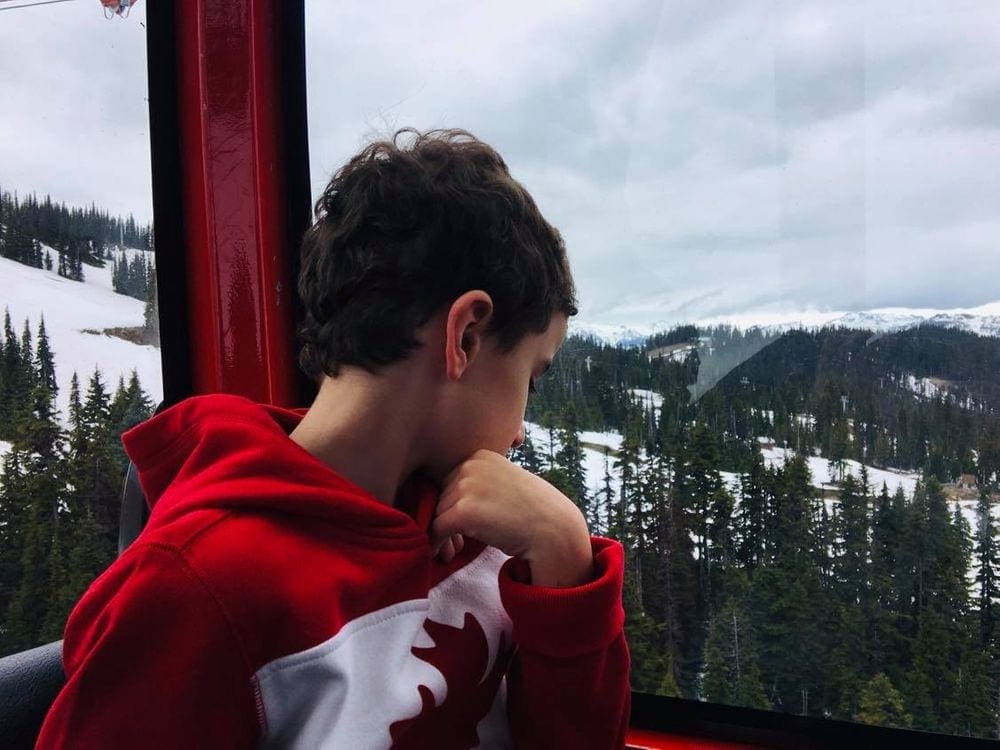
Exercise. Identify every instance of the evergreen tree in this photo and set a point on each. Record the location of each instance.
(649, 664)
(98, 466)
(13, 509)
(44, 361)
(732, 673)
(40, 441)
(752, 512)
(788, 596)
(526, 456)
(701, 484)
(603, 503)
(986, 576)
(851, 564)
(629, 488)
(968, 710)
(881, 704)
(889, 648)
(569, 458)
(151, 314)
(678, 571)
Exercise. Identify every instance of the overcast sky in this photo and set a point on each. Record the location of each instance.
(700, 159)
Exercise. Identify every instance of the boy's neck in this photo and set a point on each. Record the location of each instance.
(366, 428)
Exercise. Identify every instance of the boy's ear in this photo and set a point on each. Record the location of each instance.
(465, 327)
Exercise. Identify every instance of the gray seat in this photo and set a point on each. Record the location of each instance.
(29, 682)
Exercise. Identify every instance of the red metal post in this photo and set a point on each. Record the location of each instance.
(233, 181)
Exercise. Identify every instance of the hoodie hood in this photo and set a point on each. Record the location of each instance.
(226, 452)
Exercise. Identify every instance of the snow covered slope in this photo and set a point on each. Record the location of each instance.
(69, 307)
(819, 468)
(614, 335)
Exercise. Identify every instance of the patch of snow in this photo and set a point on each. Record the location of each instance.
(820, 469)
(647, 398)
(71, 306)
(922, 386)
(731, 481)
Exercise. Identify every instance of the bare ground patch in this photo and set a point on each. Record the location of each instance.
(136, 335)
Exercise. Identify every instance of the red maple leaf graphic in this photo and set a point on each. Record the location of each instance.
(462, 656)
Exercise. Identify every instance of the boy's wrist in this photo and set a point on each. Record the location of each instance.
(562, 556)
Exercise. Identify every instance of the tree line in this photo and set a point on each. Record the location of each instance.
(132, 276)
(60, 486)
(59, 226)
(79, 237)
(845, 394)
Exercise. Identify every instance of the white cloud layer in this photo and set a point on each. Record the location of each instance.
(701, 159)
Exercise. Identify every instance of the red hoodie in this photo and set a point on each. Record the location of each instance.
(271, 602)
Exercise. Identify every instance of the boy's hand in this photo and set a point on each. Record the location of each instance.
(488, 498)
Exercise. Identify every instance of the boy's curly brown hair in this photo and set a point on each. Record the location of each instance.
(406, 227)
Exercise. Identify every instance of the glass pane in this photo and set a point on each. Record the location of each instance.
(782, 387)
(80, 361)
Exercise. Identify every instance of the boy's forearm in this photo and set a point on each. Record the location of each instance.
(569, 685)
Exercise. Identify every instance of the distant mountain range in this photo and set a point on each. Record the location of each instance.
(983, 320)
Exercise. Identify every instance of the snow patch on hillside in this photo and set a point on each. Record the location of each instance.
(647, 398)
(593, 460)
(69, 307)
(823, 477)
(594, 463)
(922, 386)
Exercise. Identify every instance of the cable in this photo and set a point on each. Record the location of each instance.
(32, 5)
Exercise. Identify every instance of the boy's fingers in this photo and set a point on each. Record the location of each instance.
(450, 523)
(447, 551)
(446, 500)
(458, 541)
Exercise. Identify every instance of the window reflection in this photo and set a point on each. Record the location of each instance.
(782, 390)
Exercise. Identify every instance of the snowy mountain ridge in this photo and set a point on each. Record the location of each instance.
(983, 320)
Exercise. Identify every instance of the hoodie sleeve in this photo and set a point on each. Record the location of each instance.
(569, 683)
(151, 661)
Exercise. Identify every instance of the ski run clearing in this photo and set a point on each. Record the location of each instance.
(69, 308)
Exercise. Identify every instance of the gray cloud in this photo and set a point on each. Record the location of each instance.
(699, 158)
(75, 120)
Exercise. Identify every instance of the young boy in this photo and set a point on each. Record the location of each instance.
(373, 572)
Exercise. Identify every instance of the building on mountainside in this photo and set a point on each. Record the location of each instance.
(673, 352)
(966, 487)
(966, 482)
